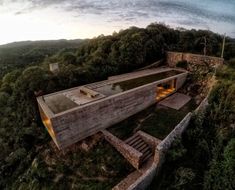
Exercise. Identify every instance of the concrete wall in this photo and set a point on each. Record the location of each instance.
(76, 124)
(173, 58)
(176, 132)
(180, 81)
(202, 107)
(145, 180)
(87, 120)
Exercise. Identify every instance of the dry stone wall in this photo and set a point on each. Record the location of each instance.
(132, 155)
(173, 58)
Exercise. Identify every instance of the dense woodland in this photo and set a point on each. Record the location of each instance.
(19, 55)
(205, 153)
(204, 157)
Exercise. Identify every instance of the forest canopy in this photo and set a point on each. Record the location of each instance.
(24, 72)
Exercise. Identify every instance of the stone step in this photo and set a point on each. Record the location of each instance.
(144, 149)
(140, 145)
(145, 158)
(129, 140)
(135, 142)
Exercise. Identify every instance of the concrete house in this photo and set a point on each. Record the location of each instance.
(74, 114)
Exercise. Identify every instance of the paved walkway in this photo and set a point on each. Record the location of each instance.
(175, 101)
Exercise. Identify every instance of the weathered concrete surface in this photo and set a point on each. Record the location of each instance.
(175, 133)
(85, 120)
(173, 58)
(73, 126)
(144, 180)
(139, 179)
(180, 81)
(137, 73)
(202, 107)
(153, 65)
(175, 101)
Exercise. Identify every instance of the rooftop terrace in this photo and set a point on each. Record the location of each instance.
(71, 98)
(118, 87)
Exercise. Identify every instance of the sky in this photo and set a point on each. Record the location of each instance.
(22, 20)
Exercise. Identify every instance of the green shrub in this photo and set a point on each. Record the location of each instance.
(176, 151)
(183, 64)
(183, 178)
(16, 156)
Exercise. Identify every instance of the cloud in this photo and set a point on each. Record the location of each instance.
(133, 8)
(187, 13)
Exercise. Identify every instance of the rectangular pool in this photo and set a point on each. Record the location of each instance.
(59, 103)
(118, 87)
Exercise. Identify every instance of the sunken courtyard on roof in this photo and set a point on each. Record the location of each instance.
(74, 114)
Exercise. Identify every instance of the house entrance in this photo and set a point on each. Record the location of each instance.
(165, 89)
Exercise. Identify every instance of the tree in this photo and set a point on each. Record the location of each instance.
(69, 58)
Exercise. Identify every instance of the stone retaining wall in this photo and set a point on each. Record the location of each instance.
(133, 156)
(173, 58)
(141, 178)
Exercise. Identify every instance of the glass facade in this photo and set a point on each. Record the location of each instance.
(47, 123)
(111, 89)
(165, 89)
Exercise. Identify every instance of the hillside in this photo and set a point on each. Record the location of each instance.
(204, 157)
(28, 159)
(22, 54)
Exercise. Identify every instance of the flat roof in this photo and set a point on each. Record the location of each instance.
(68, 99)
(118, 87)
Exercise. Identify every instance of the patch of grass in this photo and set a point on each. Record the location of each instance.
(126, 128)
(155, 120)
(163, 120)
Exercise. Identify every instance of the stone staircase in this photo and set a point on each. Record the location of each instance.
(140, 150)
(137, 142)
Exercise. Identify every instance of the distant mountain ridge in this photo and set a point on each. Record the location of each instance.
(41, 43)
(21, 54)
